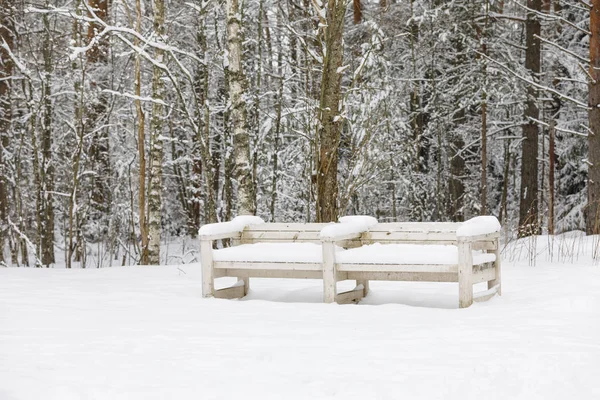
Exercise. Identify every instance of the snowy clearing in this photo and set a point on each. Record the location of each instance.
(146, 333)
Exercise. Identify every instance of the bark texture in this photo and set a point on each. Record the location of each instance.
(528, 207)
(239, 113)
(156, 143)
(329, 113)
(6, 67)
(97, 110)
(592, 224)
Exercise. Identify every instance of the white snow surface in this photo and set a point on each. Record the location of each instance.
(235, 225)
(348, 225)
(479, 226)
(271, 252)
(146, 333)
(378, 253)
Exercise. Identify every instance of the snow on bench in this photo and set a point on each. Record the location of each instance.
(358, 248)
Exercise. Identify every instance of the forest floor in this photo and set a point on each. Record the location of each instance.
(146, 333)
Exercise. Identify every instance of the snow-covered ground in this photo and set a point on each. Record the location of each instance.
(146, 333)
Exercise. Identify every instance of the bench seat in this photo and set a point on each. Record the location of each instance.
(408, 254)
(272, 252)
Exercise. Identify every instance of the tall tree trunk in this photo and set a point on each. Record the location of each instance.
(483, 40)
(239, 114)
(551, 156)
(46, 228)
(141, 137)
(96, 112)
(6, 70)
(528, 207)
(329, 113)
(357, 12)
(78, 69)
(592, 222)
(156, 143)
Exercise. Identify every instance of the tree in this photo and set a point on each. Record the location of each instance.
(528, 207)
(6, 71)
(156, 141)
(239, 114)
(593, 210)
(330, 117)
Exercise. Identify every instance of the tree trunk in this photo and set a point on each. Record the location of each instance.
(6, 70)
(141, 137)
(46, 228)
(329, 113)
(239, 114)
(156, 143)
(96, 112)
(357, 12)
(592, 224)
(551, 155)
(528, 207)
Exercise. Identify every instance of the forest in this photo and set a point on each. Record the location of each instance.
(126, 121)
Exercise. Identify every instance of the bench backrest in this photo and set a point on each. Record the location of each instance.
(282, 232)
(385, 233)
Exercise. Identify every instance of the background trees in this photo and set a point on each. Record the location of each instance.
(126, 122)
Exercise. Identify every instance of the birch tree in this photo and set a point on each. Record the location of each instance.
(239, 114)
(6, 71)
(156, 141)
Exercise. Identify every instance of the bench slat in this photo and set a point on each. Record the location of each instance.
(287, 227)
(271, 273)
(403, 276)
(267, 265)
(398, 268)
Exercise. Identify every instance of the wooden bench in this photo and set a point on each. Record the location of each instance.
(433, 252)
(260, 250)
(467, 253)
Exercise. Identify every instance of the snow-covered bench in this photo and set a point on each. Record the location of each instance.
(265, 250)
(358, 249)
(467, 253)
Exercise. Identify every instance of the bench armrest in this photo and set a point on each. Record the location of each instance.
(231, 229)
(351, 227)
(478, 228)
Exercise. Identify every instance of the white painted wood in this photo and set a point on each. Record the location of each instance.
(329, 275)
(206, 261)
(417, 226)
(484, 275)
(465, 272)
(477, 238)
(403, 276)
(398, 268)
(218, 236)
(293, 227)
(271, 273)
(486, 294)
(497, 281)
(234, 292)
(365, 284)
(268, 265)
(276, 236)
(412, 237)
(351, 296)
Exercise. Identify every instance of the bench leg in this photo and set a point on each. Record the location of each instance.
(329, 275)
(246, 284)
(365, 284)
(465, 274)
(206, 260)
(497, 268)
